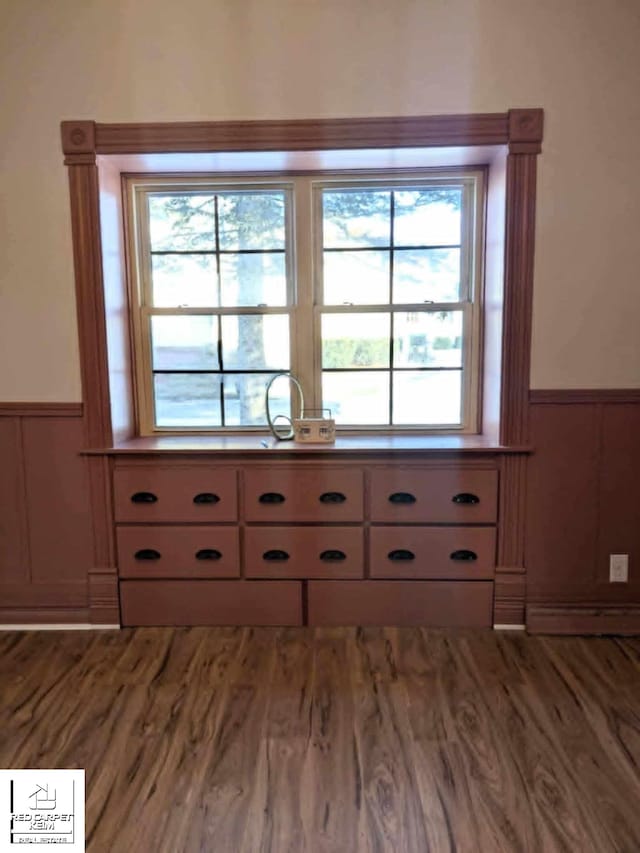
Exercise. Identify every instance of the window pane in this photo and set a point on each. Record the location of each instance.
(431, 397)
(355, 340)
(244, 403)
(357, 398)
(184, 343)
(427, 217)
(358, 277)
(187, 400)
(253, 280)
(188, 280)
(356, 217)
(251, 220)
(182, 222)
(429, 339)
(255, 342)
(426, 274)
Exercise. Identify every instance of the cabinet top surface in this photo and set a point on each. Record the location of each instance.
(346, 445)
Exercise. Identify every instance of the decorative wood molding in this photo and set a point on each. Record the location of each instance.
(87, 255)
(562, 396)
(78, 142)
(521, 129)
(510, 577)
(525, 131)
(104, 604)
(592, 618)
(41, 410)
(518, 297)
(509, 591)
(302, 135)
(516, 127)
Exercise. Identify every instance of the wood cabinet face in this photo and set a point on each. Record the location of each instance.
(434, 496)
(210, 602)
(202, 494)
(304, 552)
(202, 551)
(444, 553)
(303, 494)
(371, 543)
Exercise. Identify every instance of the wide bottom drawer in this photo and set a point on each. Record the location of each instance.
(444, 553)
(178, 552)
(441, 604)
(304, 552)
(210, 602)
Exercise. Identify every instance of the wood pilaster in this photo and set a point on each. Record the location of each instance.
(78, 139)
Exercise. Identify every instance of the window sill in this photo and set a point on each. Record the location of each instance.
(345, 445)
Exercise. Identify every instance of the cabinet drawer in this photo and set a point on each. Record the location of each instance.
(200, 494)
(304, 552)
(299, 494)
(443, 495)
(434, 604)
(448, 553)
(211, 602)
(178, 552)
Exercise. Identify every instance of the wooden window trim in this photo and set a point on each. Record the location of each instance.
(518, 129)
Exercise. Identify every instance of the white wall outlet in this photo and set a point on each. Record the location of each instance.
(618, 568)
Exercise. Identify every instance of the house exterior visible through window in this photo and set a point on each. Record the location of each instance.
(366, 286)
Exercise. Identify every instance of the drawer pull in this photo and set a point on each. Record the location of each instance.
(333, 556)
(463, 556)
(271, 498)
(147, 554)
(465, 498)
(208, 554)
(275, 556)
(332, 498)
(144, 498)
(206, 498)
(401, 555)
(402, 498)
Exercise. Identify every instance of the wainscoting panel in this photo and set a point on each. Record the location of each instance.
(14, 553)
(45, 520)
(56, 488)
(583, 505)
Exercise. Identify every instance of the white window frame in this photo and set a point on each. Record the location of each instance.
(303, 254)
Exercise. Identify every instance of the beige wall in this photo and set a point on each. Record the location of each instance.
(143, 60)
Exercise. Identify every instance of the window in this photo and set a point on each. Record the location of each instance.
(366, 287)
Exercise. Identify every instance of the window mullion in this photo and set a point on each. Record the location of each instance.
(303, 356)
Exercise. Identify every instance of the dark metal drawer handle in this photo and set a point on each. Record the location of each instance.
(465, 498)
(144, 498)
(332, 498)
(402, 498)
(401, 555)
(332, 556)
(147, 554)
(208, 554)
(275, 556)
(463, 556)
(206, 498)
(272, 498)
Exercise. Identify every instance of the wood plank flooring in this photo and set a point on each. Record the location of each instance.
(333, 740)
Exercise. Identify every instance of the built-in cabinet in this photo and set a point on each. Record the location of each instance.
(310, 541)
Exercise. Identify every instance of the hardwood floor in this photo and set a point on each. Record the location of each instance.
(334, 740)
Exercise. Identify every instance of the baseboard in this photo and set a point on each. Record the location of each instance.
(588, 618)
(61, 626)
(35, 618)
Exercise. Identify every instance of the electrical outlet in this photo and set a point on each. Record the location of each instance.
(618, 568)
